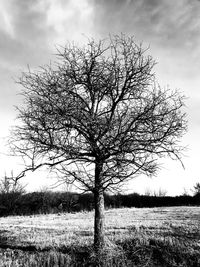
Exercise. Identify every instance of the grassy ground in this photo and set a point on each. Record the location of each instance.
(134, 237)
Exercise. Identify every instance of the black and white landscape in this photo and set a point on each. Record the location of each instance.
(100, 133)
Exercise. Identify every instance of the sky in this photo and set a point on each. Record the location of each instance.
(30, 31)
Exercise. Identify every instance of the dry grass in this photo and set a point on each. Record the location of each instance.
(135, 237)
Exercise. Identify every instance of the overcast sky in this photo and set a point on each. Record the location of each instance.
(31, 30)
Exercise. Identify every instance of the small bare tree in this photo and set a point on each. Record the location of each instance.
(99, 118)
(196, 189)
(9, 184)
(10, 192)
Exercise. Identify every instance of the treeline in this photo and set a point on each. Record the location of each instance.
(17, 203)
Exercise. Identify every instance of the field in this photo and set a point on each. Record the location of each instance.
(134, 237)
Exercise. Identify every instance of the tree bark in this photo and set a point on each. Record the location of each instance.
(99, 210)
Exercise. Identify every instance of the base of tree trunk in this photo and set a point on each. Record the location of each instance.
(99, 239)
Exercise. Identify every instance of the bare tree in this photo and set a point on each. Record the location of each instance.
(161, 193)
(196, 189)
(9, 185)
(11, 191)
(98, 118)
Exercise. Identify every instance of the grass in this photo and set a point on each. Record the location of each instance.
(134, 237)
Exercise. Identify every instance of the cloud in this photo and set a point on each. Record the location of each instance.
(26, 37)
(70, 19)
(23, 40)
(5, 20)
(167, 22)
(171, 28)
(29, 31)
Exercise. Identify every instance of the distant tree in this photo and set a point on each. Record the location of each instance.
(10, 192)
(185, 192)
(148, 192)
(9, 184)
(161, 193)
(98, 118)
(197, 189)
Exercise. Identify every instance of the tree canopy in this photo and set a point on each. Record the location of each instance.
(99, 103)
(98, 116)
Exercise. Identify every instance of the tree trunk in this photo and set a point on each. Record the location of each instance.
(99, 210)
